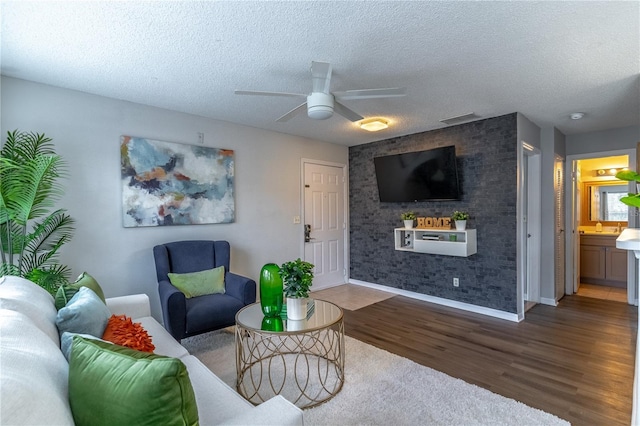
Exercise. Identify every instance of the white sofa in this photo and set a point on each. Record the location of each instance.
(34, 372)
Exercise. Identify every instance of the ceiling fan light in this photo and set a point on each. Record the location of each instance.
(319, 105)
(374, 124)
(319, 112)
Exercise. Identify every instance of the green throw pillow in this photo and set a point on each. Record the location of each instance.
(67, 291)
(195, 284)
(113, 385)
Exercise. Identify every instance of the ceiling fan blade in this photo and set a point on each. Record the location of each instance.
(348, 113)
(258, 93)
(297, 110)
(321, 76)
(392, 92)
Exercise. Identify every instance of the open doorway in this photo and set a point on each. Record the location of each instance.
(595, 267)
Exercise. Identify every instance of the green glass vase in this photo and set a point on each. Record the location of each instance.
(271, 290)
(272, 324)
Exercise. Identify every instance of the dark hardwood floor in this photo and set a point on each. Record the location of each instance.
(575, 360)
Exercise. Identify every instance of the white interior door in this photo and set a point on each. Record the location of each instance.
(325, 219)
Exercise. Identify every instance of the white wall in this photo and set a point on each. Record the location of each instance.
(86, 131)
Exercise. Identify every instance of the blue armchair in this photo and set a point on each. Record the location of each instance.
(187, 317)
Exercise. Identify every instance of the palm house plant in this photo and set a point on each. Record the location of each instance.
(30, 234)
(408, 218)
(297, 276)
(460, 218)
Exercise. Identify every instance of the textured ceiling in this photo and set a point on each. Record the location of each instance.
(544, 59)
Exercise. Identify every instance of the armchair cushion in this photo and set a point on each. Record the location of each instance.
(194, 284)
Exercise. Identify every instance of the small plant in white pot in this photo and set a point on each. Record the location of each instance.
(460, 218)
(408, 218)
(297, 276)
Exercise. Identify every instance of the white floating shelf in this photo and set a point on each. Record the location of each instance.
(437, 241)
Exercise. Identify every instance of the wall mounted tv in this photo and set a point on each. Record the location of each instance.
(430, 175)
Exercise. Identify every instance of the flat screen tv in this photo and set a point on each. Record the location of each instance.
(430, 175)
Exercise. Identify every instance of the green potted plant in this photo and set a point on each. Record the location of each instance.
(31, 235)
(408, 218)
(460, 218)
(632, 200)
(297, 276)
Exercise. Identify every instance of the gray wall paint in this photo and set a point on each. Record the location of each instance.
(528, 132)
(86, 130)
(487, 157)
(606, 140)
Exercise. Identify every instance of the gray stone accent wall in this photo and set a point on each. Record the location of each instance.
(487, 167)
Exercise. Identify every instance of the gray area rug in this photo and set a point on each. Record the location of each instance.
(385, 389)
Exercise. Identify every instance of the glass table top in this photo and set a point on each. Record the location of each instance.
(321, 314)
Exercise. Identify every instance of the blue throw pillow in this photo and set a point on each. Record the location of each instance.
(66, 342)
(85, 313)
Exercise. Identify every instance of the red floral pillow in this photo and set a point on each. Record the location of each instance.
(124, 332)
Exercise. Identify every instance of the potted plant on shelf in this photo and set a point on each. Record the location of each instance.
(298, 278)
(460, 218)
(408, 218)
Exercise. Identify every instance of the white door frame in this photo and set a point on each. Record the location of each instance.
(571, 224)
(529, 247)
(345, 174)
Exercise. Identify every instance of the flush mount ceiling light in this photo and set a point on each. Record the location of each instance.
(374, 124)
(576, 115)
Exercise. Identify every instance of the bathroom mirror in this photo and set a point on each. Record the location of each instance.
(601, 202)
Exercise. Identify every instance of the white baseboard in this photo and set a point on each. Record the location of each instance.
(441, 301)
(547, 301)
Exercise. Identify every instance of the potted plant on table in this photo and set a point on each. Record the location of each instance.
(298, 278)
(408, 218)
(460, 219)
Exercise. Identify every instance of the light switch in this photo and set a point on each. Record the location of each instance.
(296, 219)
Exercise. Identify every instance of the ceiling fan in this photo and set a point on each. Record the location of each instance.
(321, 103)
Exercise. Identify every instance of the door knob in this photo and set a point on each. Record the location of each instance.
(307, 233)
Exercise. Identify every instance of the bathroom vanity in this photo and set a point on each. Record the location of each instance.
(601, 262)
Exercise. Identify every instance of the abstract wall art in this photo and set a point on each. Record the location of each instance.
(165, 183)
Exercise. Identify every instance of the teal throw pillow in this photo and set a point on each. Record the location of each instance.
(85, 313)
(193, 284)
(67, 291)
(66, 342)
(113, 385)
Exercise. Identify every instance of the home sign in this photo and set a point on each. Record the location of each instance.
(434, 223)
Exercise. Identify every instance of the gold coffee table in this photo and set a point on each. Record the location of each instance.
(300, 360)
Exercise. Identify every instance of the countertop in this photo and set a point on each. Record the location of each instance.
(629, 239)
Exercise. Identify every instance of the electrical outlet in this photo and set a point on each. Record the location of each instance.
(456, 282)
(296, 219)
